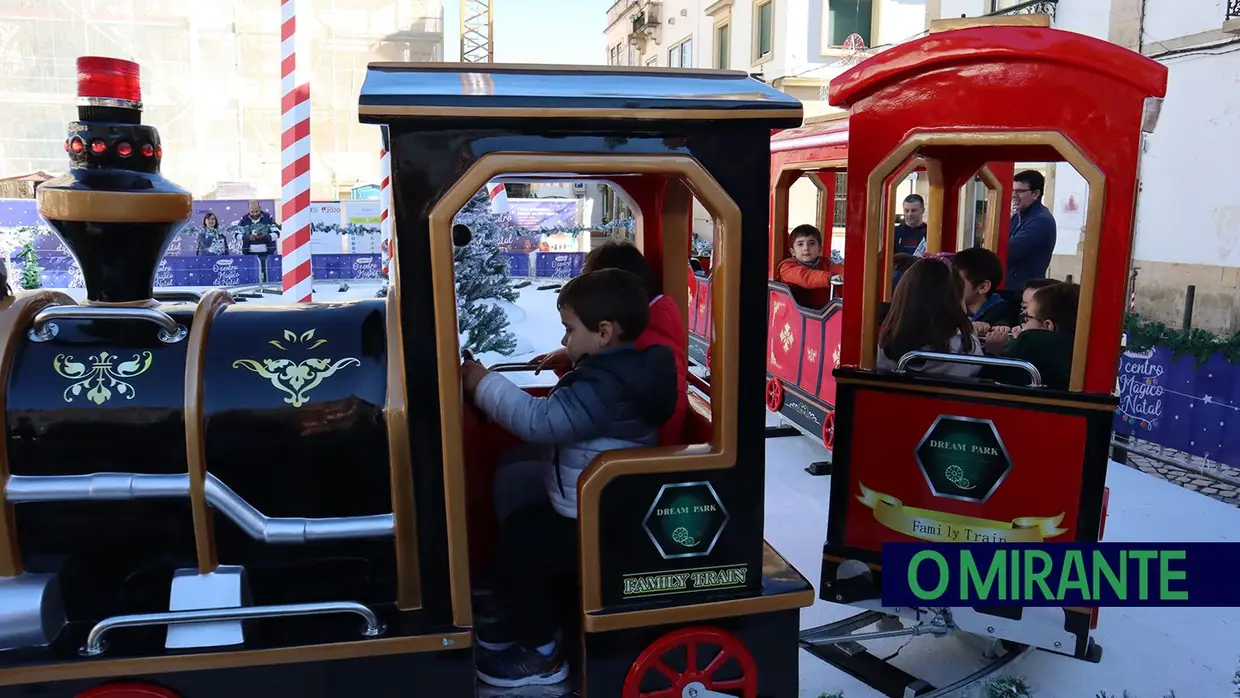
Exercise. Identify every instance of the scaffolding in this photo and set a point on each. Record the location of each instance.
(210, 81)
(477, 44)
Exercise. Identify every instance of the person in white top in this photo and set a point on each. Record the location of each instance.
(927, 315)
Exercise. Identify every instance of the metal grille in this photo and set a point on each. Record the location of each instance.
(476, 25)
(1233, 9)
(1044, 7)
(840, 212)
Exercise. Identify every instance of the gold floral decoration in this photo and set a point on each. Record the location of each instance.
(294, 378)
(102, 376)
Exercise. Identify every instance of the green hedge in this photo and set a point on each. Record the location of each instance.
(1198, 343)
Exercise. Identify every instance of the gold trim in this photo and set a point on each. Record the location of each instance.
(725, 296)
(780, 187)
(934, 214)
(1026, 399)
(145, 303)
(694, 613)
(609, 113)
(400, 457)
(209, 307)
(114, 668)
(1039, 19)
(14, 321)
(994, 189)
(1092, 233)
(79, 205)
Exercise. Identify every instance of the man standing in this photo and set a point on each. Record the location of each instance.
(911, 232)
(1031, 241)
(258, 236)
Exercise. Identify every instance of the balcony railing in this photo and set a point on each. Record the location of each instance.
(618, 9)
(1233, 9)
(1036, 7)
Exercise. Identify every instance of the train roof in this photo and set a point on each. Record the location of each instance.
(595, 93)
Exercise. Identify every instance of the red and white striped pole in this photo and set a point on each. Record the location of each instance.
(385, 201)
(294, 159)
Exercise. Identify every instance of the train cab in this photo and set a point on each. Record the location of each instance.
(969, 94)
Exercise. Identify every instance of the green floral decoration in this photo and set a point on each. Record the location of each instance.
(29, 259)
(1195, 342)
(1009, 687)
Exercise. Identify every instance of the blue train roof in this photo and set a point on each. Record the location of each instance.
(501, 91)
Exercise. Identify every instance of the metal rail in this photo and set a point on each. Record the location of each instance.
(44, 328)
(96, 646)
(98, 487)
(971, 359)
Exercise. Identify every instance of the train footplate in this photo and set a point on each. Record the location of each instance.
(835, 644)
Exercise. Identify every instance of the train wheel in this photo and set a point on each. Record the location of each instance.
(828, 431)
(774, 394)
(128, 690)
(699, 668)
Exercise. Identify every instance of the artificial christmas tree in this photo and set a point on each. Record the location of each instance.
(482, 276)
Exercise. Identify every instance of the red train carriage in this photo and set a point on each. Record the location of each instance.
(969, 94)
(221, 499)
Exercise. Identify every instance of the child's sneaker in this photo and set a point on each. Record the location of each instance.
(518, 666)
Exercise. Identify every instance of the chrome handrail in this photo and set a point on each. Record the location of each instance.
(834, 281)
(513, 367)
(44, 329)
(102, 487)
(974, 360)
(95, 645)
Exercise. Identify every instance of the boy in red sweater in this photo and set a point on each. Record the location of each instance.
(665, 327)
(805, 272)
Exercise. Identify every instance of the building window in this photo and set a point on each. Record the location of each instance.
(1000, 5)
(850, 17)
(614, 57)
(652, 61)
(764, 30)
(723, 45)
(681, 55)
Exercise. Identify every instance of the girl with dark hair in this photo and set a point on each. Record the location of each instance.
(927, 314)
(6, 291)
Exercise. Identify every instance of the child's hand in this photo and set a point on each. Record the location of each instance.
(472, 374)
(995, 340)
(556, 361)
(981, 329)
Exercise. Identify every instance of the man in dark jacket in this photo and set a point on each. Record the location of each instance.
(1031, 241)
(615, 397)
(258, 235)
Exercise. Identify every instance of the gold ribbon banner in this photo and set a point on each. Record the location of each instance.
(942, 527)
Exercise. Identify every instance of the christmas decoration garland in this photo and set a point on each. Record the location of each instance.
(1200, 344)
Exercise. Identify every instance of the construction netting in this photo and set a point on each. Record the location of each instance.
(210, 83)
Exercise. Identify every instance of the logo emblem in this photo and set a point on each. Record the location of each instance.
(963, 458)
(685, 520)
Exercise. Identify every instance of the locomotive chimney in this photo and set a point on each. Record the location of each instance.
(113, 209)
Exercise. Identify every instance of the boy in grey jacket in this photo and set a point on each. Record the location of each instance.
(615, 397)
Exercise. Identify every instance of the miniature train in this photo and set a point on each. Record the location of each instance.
(206, 498)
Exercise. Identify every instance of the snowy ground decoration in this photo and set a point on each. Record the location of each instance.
(1148, 651)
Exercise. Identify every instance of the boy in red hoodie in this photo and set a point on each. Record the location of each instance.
(807, 274)
(665, 327)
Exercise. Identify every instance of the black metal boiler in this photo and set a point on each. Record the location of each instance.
(244, 467)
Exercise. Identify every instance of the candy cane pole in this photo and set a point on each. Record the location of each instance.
(294, 160)
(385, 201)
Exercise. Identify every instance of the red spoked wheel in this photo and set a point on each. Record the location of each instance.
(828, 431)
(698, 667)
(128, 690)
(774, 394)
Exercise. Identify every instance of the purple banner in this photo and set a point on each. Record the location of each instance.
(1178, 404)
(60, 270)
(558, 265)
(19, 212)
(518, 263)
(23, 212)
(533, 214)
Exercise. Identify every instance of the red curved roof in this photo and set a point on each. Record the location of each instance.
(999, 44)
(815, 132)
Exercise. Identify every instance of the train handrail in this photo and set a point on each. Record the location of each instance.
(974, 360)
(129, 486)
(45, 329)
(835, 281)
(96, 646)
(513, 367)
(178, 296)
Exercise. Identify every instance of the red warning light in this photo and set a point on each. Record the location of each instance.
(123, 149)
(98, 147)
(108, 78)
(147, 150)
(159, 151)
(77, 145)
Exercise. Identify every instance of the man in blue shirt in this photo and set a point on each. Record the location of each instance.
(1031, 241)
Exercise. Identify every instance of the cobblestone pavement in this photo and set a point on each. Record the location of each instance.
(1215, 481)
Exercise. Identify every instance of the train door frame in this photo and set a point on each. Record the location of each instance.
(1100, 137)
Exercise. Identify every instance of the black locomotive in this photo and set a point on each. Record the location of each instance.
(204, 498)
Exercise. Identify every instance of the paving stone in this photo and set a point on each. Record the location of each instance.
(1209, 490)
